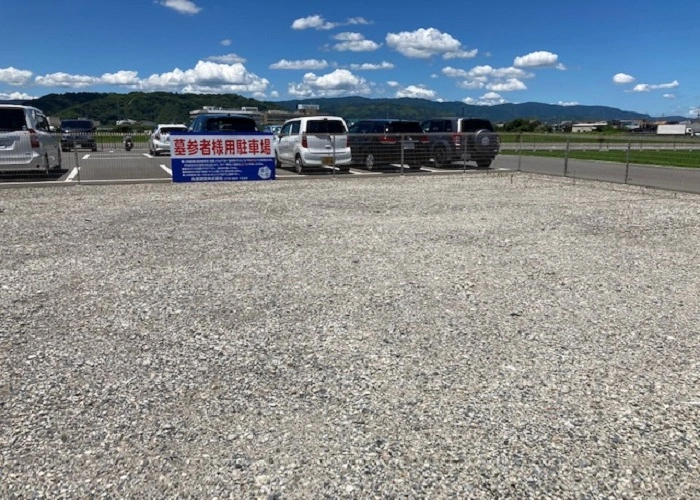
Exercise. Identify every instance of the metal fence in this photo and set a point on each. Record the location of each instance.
(655, 161)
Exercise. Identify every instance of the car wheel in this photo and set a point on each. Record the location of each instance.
(278, 164)
(298, 165)
(440, 157)
(369, 161)
(483, 163)
(156, 152)
(94, 148)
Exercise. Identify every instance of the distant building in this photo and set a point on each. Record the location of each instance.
(269, 117)
(588, 126)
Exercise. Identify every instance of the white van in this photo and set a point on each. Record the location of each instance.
(313, 141)
(26, 141)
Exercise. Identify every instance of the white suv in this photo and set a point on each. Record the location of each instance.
(313, 141)
(159, 142)
(26, 141)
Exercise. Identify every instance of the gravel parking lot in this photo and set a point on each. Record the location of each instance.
(417, 337)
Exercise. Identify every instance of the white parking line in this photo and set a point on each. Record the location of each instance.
(170, 172)
(147, 155)
(356, 171)
(86, 156)
(72, 174)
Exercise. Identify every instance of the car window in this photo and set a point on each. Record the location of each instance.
(167, 130)
(325, 127)
(286, 128)
(295, 127)
(404, 127)
(77, 124)
(231, 124)
(473, 125)
(12, 119)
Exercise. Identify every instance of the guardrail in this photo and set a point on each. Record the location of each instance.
(655, 161)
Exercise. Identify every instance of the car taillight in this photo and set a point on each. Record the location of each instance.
(424, 139)
(386, 139)
(304, 142)
(34, 138)
(456, 139)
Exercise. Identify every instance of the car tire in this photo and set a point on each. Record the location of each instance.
(369, 163)
(439, 157)
(278, 163)
(483, 163)
(156, 152)
(298, 165)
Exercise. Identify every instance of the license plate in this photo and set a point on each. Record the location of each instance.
(328, 161)
(409, 145)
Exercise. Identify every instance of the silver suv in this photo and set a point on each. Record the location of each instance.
(313, 141)
(26, 142)
(465, 139)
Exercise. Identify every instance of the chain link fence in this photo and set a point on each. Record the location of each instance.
(666, 162)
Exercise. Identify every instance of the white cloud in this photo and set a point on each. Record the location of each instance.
(319, 23)
(354, 42)
(67, 80)
(338, 82)
(622, 78)
(669, 96)
(372, 66)
(205, 78)
(312, 22)
(569, 103)
(274, 94)
(182, 6)
(461, 54)
(227, 59)
(693, 112)
(120, 78)
(488, 99)
(14, 76)
(539, 59)
(472, 84)
(416, 91)
(16, 96)
(423, 43)
(646, 87)
(392, 83)
(225, 42)
(301, 64)
(509, 85)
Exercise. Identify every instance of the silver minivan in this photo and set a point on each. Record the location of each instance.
(26, 141)
(313, 141)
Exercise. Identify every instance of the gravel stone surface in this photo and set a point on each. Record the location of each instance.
(471, 336)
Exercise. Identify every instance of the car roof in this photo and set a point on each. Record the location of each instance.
(385, 120)
(172, 125)
(225, 115)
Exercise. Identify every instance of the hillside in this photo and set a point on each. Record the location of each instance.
(166, 107)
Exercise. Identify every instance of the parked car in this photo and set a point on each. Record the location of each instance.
(272, 129)
(381, 142)
(26, 143)
(159, 140)
(313, 141)
(78, 134)
(223, 122)
(462, 139)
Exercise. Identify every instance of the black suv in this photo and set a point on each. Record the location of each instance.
(468, 139)
(385, 142)
(77, 134)
(223, 123)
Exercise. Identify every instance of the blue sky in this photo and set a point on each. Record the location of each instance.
(631, 54)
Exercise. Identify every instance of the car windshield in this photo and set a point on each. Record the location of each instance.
(325, 127)
(230, 123)
(474, 125)
(77, 124)
(11, 119)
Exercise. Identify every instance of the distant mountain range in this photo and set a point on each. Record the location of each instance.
(166, 107)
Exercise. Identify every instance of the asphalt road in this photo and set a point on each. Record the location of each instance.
(117, 165)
